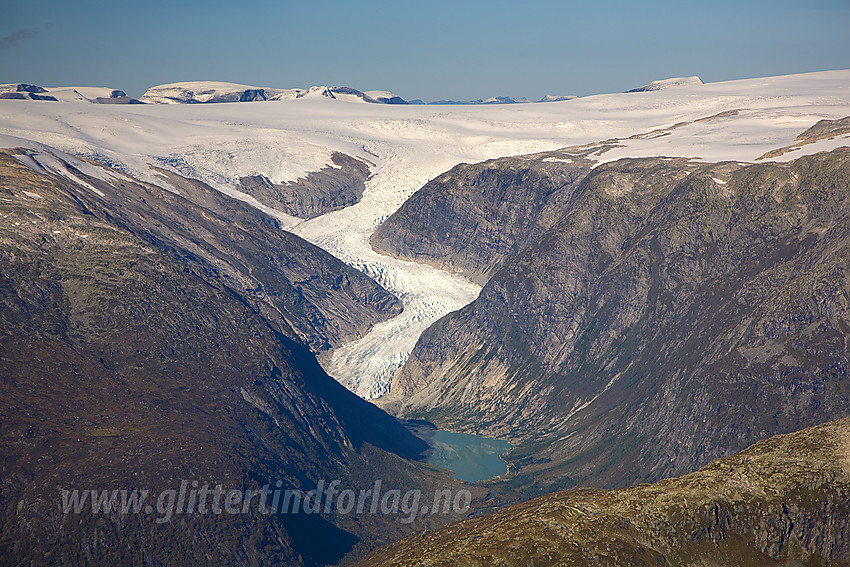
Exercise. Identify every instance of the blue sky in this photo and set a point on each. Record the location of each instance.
(431, 49)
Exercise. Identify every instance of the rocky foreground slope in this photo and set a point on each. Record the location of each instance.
(783, 501)
(675, 312)
(149, 338)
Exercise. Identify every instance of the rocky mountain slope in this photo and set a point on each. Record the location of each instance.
(331, 188)
(677, 311)
(783, 501)
(322, 300)
(150, 338)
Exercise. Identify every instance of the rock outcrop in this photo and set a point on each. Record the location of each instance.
(469, 219)
(24, 91)
(330, 189)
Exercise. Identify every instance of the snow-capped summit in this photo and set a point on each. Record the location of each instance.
(100, 95)
(385, 97)
(668, 83)
(353, 95)
(313, 92)
(194, 92)
(556, 98)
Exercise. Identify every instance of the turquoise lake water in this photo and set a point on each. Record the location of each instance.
(470, 457)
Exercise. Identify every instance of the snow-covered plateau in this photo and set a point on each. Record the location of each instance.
(409, 145)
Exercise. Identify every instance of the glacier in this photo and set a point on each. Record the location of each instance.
(409, 145)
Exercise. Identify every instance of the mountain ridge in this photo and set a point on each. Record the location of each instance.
(211, 92)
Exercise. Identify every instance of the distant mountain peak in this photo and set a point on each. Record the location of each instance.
(500, 100)
(668, 83)
(386, 97)
(316, 91)
(556, 98)
(491, 100)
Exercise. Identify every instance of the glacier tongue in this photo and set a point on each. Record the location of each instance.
(366, 366)
(407, 161)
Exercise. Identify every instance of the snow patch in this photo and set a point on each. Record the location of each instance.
(50, 162)
(30, 163)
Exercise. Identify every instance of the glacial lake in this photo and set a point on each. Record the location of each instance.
(470, 457)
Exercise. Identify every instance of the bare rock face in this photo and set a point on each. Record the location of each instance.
(783, 501)
(329, 189)
(23, 91)
(674, 313)
(116, 97)
(471, 218)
